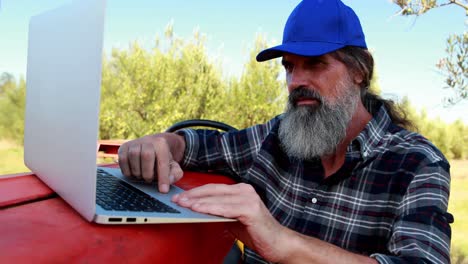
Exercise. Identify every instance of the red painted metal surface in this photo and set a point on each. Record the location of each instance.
(36, 227)
(16, 190)
(108, 148)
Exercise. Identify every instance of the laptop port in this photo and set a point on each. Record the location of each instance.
(131, 220)
(115, 219)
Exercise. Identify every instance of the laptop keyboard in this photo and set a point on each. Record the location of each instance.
(117, 195)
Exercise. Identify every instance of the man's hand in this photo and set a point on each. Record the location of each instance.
(258, 229)
(153, 157)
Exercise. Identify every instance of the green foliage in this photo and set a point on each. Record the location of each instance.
(374, 86)
(458, 206)
(258, 95)
(451, 139)
(455, 65)
(459, 147)
(457, 256)
(408, 109)
(12, 104)
(145, 92)
(418, 7)
(11, 160)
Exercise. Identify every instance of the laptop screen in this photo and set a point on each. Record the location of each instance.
(62, 99)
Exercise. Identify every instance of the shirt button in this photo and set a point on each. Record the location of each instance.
(314, 200)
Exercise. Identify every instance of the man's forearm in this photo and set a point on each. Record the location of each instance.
(304, 249)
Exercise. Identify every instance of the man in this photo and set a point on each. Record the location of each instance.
(334, 179)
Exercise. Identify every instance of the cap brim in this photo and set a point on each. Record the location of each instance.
(307, 49)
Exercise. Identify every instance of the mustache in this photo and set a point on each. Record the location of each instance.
(304, 94)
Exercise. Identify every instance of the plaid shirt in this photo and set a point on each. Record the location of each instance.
(388, 201)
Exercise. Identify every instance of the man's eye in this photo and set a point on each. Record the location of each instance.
(288, 67)
(315, 62)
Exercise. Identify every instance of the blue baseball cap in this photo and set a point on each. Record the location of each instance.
(317, 27)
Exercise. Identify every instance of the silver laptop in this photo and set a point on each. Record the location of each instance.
(62, 121)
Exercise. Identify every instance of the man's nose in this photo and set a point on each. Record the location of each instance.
(297, 78)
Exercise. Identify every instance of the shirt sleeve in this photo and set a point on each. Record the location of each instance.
(229, 153)
(421, 232)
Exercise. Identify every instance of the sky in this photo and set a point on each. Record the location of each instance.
(405, 49)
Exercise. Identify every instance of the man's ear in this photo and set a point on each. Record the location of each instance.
(358, 78)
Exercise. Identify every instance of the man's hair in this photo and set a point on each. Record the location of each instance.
(360, 61)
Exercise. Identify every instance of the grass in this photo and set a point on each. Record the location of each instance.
(11, 161)
(458, 206)
(11, 158)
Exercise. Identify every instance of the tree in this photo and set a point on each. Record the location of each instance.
(258, 95)
(374, 85)
(419, 7)
(410, 112)
(460, 138)
(455, 65)
(451, 139)
(12, 104)
(145, 92)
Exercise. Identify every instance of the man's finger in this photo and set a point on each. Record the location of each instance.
(229, 210)
(231, 206)
(134, 152)
(163, 158)
(223, 199)
(148, 158)
(175, 172)
(217, 190)
(123, 160)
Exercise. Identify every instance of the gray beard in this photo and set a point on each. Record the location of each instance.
(308, 132)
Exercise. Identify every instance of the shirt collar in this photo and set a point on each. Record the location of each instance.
(371, 136)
